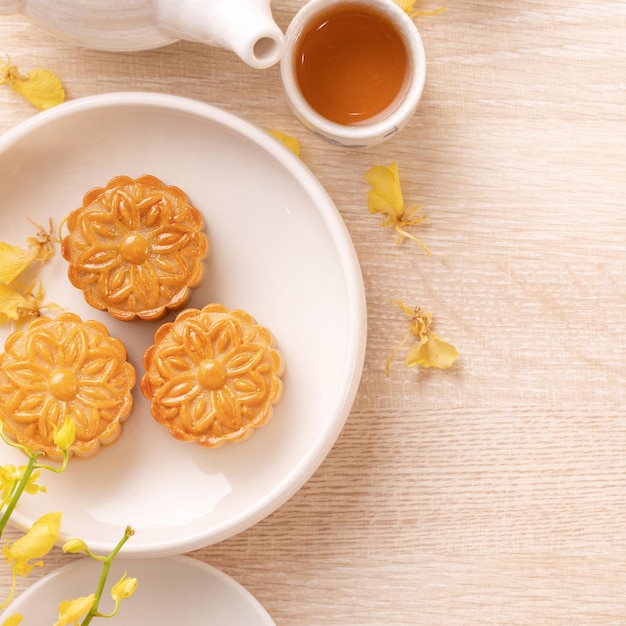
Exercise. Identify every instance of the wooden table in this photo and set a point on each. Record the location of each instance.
(495, 492)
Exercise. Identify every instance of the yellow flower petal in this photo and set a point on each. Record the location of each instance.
(429, 350)
(40, 87)
(408, 6)
(433, 352)
(287, 140)
(14, 260)
(70, 611)
(42, 242)
(14, 620)
(386, 195)
(22, 303)
(15, 306)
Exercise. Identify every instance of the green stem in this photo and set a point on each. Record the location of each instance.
(21, 485)
(11, 593)
(17, 492)
(56, 469)
(106, 566)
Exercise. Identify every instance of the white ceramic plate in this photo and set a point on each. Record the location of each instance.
(280, 251)
(175, 590)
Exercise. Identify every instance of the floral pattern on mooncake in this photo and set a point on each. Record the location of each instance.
(135, 248)
(64, 367)
(212, 376)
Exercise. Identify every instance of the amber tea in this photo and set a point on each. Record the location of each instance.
(351, 64)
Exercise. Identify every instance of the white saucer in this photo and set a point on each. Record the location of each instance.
(176, 590)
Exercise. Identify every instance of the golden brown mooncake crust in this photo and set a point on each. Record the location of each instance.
(135, 248)
(64, 366)
(212, 375)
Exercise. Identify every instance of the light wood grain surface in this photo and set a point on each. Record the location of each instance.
(493, 493)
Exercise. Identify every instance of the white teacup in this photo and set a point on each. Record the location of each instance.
(315, 98)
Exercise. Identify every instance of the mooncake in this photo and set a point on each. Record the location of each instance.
(61, 367)
(212, 375)
(135, 248)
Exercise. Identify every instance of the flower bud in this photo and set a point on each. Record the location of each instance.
(64, 437)
(74, 546)
(123, 588)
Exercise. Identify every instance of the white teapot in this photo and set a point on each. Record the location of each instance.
(243, 26)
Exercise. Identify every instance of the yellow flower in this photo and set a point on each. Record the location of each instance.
(287, 140)
(8, 480)
(409, 7)
(64, 437)
(31, 486)
(386, 197)
(36, 543)
(14, 620)
(40, 87)
(17, 303)
(123, 588)
(430, 350)
(10, 476)
(70, 611)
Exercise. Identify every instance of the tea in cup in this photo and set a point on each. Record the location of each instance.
(353, 70)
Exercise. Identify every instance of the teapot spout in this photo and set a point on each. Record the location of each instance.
(245, 27)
